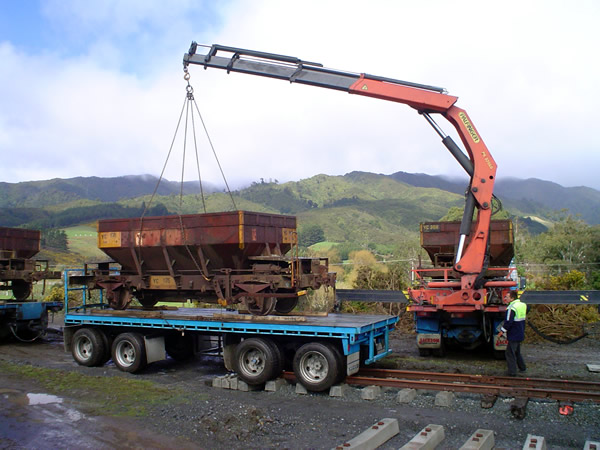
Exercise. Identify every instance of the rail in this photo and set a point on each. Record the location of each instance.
(561, 390)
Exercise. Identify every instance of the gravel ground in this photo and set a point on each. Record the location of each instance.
(216, 418)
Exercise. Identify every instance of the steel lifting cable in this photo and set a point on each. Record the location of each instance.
(215, 154)
(189, 98)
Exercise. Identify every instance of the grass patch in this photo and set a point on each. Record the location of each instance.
(108, 396)
(83, 239)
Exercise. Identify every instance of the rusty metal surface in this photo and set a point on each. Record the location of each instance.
(440, 240)
(19, 243)
(171, 244)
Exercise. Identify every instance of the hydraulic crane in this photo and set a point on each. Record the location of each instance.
(466, 285)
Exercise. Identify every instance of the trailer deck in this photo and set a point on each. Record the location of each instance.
(351, 329)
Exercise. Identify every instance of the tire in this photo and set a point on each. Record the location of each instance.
(441, 351)
(256, 360)
(277, 369)
(316, 366)
(89, 347)
(129, 352)
(107, 348)
(499, 354)
(178, 347)
(341, 362)
(424, 352)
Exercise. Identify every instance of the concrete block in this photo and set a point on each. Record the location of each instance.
(245, 387)
(488, 401)
(591, 445)
(593, 367)
(233, 382)
(406, 395)
(444, 398)
(480, 440)
(339, 390)
(427, 439)
(275, 385)
(370, 392)
(217, 382)
(225, 383)
(534, 442)
(300, 389)
(518, 407)
(375, 436)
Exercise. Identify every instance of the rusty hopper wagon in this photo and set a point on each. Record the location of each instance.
(18, 271)
(225, 258)
(25, 320)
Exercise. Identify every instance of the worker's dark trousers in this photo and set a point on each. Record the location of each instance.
(514, 358)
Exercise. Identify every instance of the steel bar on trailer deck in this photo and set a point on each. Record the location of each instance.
(561, 297)
(366, 295)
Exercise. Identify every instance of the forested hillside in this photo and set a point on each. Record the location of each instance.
(356, 211)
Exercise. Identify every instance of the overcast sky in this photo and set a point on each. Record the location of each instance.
(96, 88)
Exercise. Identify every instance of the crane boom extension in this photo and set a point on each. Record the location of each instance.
(479, 164)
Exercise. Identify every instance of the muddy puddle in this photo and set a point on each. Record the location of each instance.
(35, 420)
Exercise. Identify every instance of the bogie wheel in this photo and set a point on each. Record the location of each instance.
(316, 366)
(119, 298)
(256, 360)
(21, 289)
(89, 347)
(259, 306)
(129, 352)
(285, 305)
(147, 300)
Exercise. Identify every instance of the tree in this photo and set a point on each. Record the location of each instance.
(56, 239)
(310, 234)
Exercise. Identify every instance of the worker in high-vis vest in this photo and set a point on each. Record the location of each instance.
(514, 328)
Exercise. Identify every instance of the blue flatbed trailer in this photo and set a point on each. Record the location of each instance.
(322, 350)
(26, 321)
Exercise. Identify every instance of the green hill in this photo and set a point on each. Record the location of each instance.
(359, 209)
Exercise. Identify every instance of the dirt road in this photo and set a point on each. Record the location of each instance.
(48, 401)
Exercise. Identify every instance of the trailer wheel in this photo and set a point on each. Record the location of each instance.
(21, 289)
(256, 360)
(280, 366)
(129, 352)
(342, 366)
(89, 347)
(316, 366)
(107, 347)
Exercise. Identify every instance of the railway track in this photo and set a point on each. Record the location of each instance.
(561, 390)
(518, 387)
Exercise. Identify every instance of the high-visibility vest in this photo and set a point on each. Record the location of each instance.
(519, 308)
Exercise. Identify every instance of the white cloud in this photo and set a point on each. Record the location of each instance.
(525, 72)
